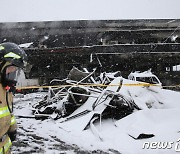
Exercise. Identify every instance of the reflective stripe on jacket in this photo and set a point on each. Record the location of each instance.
(13, 120)
(4, 111)
(6, 146)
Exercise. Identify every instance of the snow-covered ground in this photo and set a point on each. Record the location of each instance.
(159, 116)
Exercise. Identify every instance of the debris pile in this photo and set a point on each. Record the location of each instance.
(87, 99)
(80, 89)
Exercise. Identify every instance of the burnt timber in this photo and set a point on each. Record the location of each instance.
(110, 45)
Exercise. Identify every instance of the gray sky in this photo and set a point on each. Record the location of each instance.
(48, 10)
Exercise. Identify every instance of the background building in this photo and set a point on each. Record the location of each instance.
(110, 45)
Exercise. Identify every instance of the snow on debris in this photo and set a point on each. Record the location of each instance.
(158, 118)
(26, 45)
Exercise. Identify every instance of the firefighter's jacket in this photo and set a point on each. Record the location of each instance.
(8, 124)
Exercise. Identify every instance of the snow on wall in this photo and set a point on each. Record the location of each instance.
(23, 82)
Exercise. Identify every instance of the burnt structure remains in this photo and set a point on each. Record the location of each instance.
(109, 45)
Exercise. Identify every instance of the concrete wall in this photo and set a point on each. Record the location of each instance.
(23, 82)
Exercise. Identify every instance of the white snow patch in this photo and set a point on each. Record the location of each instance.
(25, 45)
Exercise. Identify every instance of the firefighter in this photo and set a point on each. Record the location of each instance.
(12, 59)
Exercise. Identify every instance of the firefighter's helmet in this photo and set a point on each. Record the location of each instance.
(12, 58)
